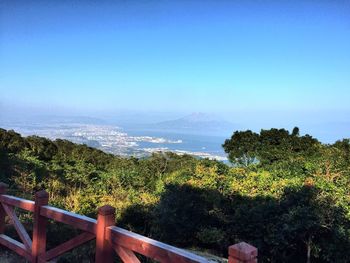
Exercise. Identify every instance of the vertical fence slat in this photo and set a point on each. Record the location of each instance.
(39, 228)
(3, 189)
(104, 250)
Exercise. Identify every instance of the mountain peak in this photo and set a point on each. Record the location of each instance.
(199, 117)
(197, 122)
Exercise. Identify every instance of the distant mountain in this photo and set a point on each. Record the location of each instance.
(197, 123)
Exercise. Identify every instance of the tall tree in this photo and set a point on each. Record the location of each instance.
(242, 147)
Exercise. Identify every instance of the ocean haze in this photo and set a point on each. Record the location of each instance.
(326, 125)
(128, 139)
(132, 133)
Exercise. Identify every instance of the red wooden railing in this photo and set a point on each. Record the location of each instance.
(109, 238)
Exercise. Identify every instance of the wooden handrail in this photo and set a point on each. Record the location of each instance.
(109, 238)
(78, 221)
(150, 248)
(18, 202)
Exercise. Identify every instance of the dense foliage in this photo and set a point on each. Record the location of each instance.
(286, 194)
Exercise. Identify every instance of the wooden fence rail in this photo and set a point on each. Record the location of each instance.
(109, 238)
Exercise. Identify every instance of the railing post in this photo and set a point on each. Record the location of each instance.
(242, 253)
(39, 228)
(3, 189)
(104, 250)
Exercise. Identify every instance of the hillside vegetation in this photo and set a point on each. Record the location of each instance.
(286, 194)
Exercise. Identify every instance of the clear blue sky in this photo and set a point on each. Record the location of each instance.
(211, 56)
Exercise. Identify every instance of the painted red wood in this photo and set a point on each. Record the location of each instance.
(108, 236)
(22, 233)
(2, 219)
(3, 188)
(104, 250)
(242, 253)
(150, 248)
(39, 228)
(15, 246)
(126, 255)
(18, 202)
(81, 222)
(67, 246)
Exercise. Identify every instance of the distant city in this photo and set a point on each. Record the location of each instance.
(160, 137)
(197, 134)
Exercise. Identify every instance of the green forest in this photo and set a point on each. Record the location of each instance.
(285, 193)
